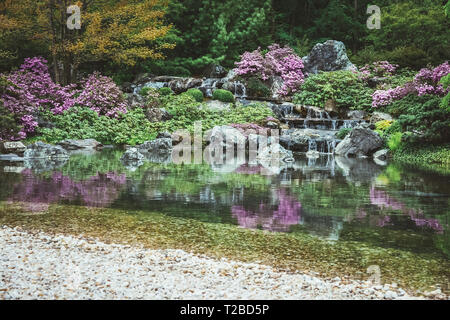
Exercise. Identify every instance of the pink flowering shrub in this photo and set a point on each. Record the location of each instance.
(278, 61)
(102, 95)
(377, 69)
(31, 90)
(425, 82)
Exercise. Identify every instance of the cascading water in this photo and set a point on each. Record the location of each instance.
(316, 128)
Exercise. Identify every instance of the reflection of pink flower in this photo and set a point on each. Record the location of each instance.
(287, 213)
(246, 169)
(97, 191)
(383, 200)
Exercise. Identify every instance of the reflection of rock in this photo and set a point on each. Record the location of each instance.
(40, 150)
(358, 170)
(360, 142)
(44, 165)
(11, 158)
(86, 144)
(15, 147)
(327, 56)
(132, 158)
(380, 157)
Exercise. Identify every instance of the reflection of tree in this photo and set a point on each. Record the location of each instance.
(96, 191)
(384, 201)
(287, 213)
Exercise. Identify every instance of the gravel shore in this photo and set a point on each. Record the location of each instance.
(42, 266)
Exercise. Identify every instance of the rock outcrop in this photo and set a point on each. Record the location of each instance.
(15, 147)
(86, 144)
(327, 56)
(361, 142)
(40, 150)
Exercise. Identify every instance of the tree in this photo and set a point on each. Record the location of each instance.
(117, 31)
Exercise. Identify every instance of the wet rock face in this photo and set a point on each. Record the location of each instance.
(132, 158)
(86, 144)
(327, 56)
(361, 142)
(15, 147)
(40, 150)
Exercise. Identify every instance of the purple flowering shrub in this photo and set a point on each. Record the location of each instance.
(102, 95)
(30, 90)
(377, 69)
(425, 82)
(278, 61)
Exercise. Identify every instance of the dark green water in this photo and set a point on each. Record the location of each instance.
(333, 198)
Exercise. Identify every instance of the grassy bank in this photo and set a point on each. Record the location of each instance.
(432, 157)
(295, 251)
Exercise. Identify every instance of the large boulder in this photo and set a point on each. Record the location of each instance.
(226, 136)
(40, 150)
(361, 142)
(327, 56)
(180, 85)
(86, 144)
(157, 146)
(15, 147)
(215, 71)
(380, 116)
(275, 152)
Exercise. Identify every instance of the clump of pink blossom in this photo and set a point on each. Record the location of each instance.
(102, 95)
(377, 69)
(278, 61)
(425, 82)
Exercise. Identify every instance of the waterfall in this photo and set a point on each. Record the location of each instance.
(333, 124)
(312, 145)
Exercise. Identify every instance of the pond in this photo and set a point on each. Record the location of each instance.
(332, 198)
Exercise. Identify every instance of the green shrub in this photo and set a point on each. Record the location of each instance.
(196, 94)
(445, 81)
(430, 157)
(223, 95)
(8, 124)
(343, 87)
(83, 123)
(165, 91)
(422, 117)
(343, 133)
(256, 88)
(395, 141)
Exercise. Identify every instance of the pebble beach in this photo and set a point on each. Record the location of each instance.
(36, 265)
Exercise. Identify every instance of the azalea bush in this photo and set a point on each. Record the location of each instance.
(377, 69)
(427, 81)
(278, 61)
(102, 95)
(30, 91)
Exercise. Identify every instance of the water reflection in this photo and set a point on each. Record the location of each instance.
(326, 197)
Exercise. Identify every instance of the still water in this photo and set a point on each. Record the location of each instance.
(329, 197)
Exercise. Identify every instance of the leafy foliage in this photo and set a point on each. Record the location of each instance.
(223, 95)
(196, 94)
(345, 88)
